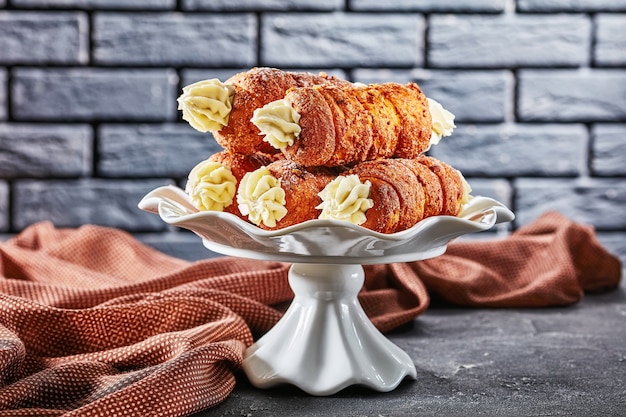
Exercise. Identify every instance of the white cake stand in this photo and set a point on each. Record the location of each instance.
(324, 342)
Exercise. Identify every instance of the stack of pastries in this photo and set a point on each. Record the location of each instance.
(300, 146)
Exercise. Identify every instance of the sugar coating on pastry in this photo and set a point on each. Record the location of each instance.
(348, 124)
(253, 89)
(211, 186)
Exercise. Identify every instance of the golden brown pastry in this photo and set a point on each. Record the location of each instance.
(334, 125)
(225, 109)
(386, 195)
(241, 164)
(401, 192)
(282, 193)
(452, 185)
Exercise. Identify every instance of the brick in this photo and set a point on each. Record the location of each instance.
(71, 203)
(572, 95)
(508, 40)
(3, 94)
(151, 39)
(608, 155)
(43, 38)
(515, 150)
(189, 76)
(432, 6)
(151, 150)
(498, 189)
(570, 6)
(4, 206)
(98, 4)
(341, 39)
(598, 202)
(45, 151)
(182, 245)
(472, 96)
(264, 5)
(610, 42)
(94, 94)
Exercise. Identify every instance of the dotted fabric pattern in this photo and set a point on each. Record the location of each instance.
(94, 323)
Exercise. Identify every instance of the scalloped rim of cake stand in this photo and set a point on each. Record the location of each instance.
(322, 241)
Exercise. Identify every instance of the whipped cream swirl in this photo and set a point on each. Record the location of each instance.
(346, 198)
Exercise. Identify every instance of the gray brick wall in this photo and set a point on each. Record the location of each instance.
(88, 119)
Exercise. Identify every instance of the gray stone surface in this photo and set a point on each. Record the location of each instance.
(71, 203)
(25, 38)
(341, 39)
(45, 150)
(98, 4)
(478, 41)
(512, 149)
(94, 94)
(472, 96)
(610, 45)
(598, 202)
(170, 150)
(572, 95)
(562, 361)
(174, 39)
(608, 149)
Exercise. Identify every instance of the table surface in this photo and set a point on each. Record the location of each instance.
(565, 361)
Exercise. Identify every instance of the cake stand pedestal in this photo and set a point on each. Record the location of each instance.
(324, 342)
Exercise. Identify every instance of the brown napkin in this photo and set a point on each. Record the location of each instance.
(92, 322)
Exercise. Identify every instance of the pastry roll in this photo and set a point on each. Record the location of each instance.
(402, 192)
(453, 185)
(334, 125)
(212, 184)
(282, 194)
(387, 195)
(225, 109)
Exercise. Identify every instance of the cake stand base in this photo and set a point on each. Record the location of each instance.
(325, 342)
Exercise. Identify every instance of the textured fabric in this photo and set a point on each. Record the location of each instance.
(93, 323)
(550, 262)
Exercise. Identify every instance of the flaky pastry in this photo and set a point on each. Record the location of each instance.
(334, 125)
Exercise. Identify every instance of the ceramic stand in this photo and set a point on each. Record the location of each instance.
(325, 342)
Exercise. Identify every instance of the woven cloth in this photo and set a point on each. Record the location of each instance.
(94, 323)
